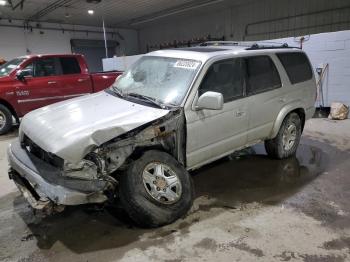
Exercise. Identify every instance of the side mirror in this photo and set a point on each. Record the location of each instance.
(210, 100)
(22, 74)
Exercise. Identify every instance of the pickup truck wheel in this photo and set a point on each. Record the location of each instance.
(156, 190)
(5, 120)
(286, 142)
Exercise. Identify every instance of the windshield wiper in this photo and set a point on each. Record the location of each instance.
(118, 91)
(146, 98)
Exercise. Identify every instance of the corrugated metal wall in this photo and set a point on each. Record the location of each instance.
(255, 20)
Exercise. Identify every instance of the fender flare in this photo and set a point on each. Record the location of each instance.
(296, 104)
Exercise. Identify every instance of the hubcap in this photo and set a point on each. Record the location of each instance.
(161, 183)
(289, 136)
(2, 120)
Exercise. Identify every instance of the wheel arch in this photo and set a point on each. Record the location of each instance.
(139, 150)
(296, 108)
(10, 107)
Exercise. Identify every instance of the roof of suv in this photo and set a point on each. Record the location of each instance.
(213, 49)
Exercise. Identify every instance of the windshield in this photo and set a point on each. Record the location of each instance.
(8, 67)
(163, 79)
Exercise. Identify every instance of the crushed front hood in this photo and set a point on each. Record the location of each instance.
(70, 129)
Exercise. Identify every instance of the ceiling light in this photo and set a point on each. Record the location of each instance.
(3, 2)
(90, 12)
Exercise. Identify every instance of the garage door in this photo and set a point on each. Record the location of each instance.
(94, 51)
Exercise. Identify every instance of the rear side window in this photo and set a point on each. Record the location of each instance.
(70, 66)
(297, 66)
(262, 75)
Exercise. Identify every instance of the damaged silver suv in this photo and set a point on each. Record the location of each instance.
(173, 111)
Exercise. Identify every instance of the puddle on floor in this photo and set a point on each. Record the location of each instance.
(250, 175)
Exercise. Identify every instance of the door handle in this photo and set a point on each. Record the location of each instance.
(52, 82)
(81, 80)
(239, 113)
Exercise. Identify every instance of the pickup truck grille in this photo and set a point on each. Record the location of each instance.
(35, 150)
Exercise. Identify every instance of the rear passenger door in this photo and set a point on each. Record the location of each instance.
(265, 94)
(215, 133)
(73, 82)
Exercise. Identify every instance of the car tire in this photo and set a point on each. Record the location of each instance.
(286, 142)
(156, 190)
(5, 120)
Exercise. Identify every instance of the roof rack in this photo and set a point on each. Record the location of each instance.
(249, 45)
(263, 46)
(224, 43)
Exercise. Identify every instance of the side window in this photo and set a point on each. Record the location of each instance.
(45, 67)
(297, 66)
(262, 75)
(70, 65)
(226, 77)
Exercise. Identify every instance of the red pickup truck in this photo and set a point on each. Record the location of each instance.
(30, 82)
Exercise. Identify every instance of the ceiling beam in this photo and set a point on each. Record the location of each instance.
(168, 12)
(48, 9)
(14, 7)
(11, 4)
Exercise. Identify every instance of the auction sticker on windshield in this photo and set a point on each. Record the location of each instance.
(187, 64)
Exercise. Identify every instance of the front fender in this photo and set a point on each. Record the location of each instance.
(296, 104)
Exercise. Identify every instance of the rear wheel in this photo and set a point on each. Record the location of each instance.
(156, 190)
(5, 120)
(286, 142)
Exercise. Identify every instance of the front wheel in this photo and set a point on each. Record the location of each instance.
(286, 142)
(5, 120)
(156, 190)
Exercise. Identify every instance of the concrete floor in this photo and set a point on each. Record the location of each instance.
(247, 208)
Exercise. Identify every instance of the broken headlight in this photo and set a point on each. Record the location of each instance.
(89, 168)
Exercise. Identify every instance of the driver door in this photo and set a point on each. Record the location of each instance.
(212, 134)
(40, 86)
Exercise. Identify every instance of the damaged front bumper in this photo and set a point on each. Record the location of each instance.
(43, 184)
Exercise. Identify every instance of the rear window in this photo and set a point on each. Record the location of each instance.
(297, 66)
(70, 65)
(262, 75)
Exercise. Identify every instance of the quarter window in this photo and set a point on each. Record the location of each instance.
(297, 66)
(262, 75)
(226, 77)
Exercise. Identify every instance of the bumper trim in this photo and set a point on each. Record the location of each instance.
(27, 168)
(29, 193)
